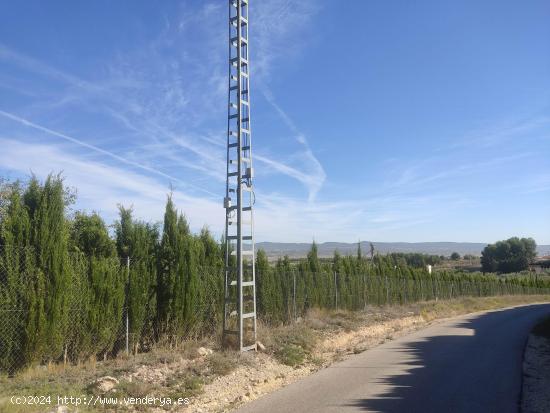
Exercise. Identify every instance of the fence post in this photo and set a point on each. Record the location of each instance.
(127, 306)
(364, 291)
(294, 293)
(335, 291)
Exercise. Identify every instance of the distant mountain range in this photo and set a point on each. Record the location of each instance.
(326, 249)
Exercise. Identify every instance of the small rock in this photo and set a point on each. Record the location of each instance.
(260, 346)
(105, 383)
(201, 351)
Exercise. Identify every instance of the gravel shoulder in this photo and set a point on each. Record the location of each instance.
(536, 371)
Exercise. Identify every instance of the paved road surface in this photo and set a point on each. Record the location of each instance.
(469, 364)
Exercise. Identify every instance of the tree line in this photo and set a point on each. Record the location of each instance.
(68, 285)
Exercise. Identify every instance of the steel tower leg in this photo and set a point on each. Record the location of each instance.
(239, 319)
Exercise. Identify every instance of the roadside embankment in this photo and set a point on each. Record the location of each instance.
(536, 370)
(323, 337)
(214, 380)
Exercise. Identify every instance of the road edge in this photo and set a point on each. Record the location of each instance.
(534, 396)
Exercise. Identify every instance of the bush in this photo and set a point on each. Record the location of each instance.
(291, 355)
(222, 364)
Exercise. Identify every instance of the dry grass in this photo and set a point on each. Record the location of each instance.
(449, 308)
(302, 345)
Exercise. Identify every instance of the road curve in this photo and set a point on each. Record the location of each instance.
(467, 364)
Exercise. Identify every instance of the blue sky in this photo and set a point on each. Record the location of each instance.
(372, 120)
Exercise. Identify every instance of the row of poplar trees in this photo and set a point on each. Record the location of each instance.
(71, 289)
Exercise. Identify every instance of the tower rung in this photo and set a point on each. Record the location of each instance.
(233, 174)
(249, 315)
(236, 115)
(243, 221)
(233, 145)
(244, 252)
(236, 39)
(234, 87)
(235, 62)
(248, 208)
(233, 20)
(244, 284)
(231, 332)
(244, 237)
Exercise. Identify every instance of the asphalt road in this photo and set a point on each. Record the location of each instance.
(468, 364)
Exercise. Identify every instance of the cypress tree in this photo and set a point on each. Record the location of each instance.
(167, 270)
(49, 321)
(192, 313)
(211, 261)
(141, 285)
(178, 310)
(17, 285)
(137, 241)
(269, 290)
(105, 283)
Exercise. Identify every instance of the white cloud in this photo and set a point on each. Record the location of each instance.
(101, 187)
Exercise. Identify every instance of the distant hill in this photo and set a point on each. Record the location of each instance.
(326, 249)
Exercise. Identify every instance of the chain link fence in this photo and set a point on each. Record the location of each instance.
(101, 308)
(93, 308)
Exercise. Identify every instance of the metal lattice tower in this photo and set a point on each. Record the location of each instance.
(240, 278)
